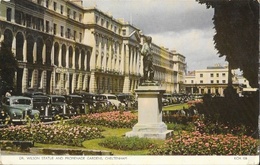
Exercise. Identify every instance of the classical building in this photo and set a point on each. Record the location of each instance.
(62, 47)
(212, 80)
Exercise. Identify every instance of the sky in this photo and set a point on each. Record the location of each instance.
(182, 25)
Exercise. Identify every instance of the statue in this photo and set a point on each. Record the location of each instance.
(148, 67)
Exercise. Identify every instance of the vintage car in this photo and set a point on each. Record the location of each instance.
(58, 103)
(18, 108)
(97, 103)
(113, 100)
(41, 102)
(77, 104)
(128, 99)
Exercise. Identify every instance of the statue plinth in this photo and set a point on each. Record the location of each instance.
(150, 123)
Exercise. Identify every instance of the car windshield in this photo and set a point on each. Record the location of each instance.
(100, 98)
(76, 99)
(40, 100)
(58, 99)
(112, 97)
(22, 101)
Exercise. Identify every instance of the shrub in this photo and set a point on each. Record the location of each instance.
(115, 119)
(196, 143)
(127, 143)
(51, 134)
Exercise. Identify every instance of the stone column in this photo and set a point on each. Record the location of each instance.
(150, 123)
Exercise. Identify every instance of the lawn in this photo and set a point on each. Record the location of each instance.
(175, 107)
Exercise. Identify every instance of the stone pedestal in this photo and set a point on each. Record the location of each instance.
(150, 123)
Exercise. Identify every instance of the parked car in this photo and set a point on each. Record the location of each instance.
(169, 97)
(116, 104)
(18, 108)
(41, 102)
(95, 105)
(77, 104)
(165, 102)
(58, 103)
(103, 103)
(128, 99)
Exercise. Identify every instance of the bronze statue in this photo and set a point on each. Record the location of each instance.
(148, 67)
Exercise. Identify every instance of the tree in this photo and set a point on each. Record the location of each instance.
(8, 67)
(237, 34)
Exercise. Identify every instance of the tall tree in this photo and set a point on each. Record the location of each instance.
(8, 66)
(237, 34)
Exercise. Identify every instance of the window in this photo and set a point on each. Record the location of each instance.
(223, 74)
(201, 81)
(102, 22)
(124, 32)
(75, 35)
(74, 15)
(201, 75)
(217, 75)
(68, 33)
(47, 3)
(54, 6)
(80, 17)
(80, 37)
(68, 12)
(8, 14)
(217, 81)
(115, 29)
(211, 75)
(107, 24)
(61, 31)
(96, 19)
(54, 29)
(192, 81)
(47, 26)
(224, 81)
(61, 9)
(212, 81)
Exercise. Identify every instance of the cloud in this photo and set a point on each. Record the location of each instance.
(182, 25)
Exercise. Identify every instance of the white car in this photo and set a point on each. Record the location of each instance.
(114, 101)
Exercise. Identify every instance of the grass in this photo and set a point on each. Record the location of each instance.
(175, 107)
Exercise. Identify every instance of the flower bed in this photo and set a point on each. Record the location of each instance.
(51, 134)
(115, 119)
(196, 143)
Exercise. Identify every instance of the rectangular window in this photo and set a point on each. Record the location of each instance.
(211, 75)
(75, 35)
(47, 25)
(80, 37)
(68, 33)
(201, 75)
(61, 31)
(47, 3)
(192, 81)
(54, 6)
(61, 9)
(54, 29)
(224, 81)
(80, 17)
(217, 75)
(96, 19)
(124, 32)
(68, 12)
(217, 81)
(223, 74)
(74, 15)
(8, 14)
(201, 81)
(212, 81)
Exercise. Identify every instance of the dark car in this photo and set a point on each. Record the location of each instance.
(128, 99)
(77, 104)
(19, 108)
(58, 103)
(41, 102)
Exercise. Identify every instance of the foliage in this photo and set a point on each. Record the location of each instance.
(127, 143)
(196, 143)
(8, 66)
(237, 34)
(115, 119)
(51, 134)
